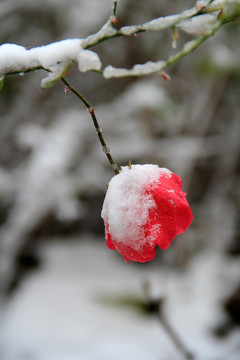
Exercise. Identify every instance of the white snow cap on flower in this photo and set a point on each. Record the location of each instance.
(126, 205)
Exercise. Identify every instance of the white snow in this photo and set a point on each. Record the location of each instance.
(105, 31)
(190, 45)
(57, 71)
(167, 21)
(14, 57)
(57, 313)
(137, 70)
(198, 25)
(129, 30)
(54, 315)
(88, 60)
(126, 205)
(56, 57)
(56, 52)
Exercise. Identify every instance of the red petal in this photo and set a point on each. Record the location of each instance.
(145, 253)
(173, 183)
(162, 220)
(183, 214)
(110, 244)
(175, 195)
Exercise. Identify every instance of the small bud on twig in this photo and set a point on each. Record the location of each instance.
(91, 110)
(165, 76)
(66, 89)
(114, 19)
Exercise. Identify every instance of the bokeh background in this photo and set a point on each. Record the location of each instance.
(64, 295)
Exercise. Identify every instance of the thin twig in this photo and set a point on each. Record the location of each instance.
(91, 111)
(114, 7)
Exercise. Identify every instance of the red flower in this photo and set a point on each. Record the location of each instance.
(144, 207)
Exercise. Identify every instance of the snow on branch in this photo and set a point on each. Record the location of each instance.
(56, 58)
(203, 20)
(158, 66)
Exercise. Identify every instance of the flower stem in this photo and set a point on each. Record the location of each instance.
(91, 111)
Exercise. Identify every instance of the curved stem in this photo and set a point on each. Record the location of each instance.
(91, 111)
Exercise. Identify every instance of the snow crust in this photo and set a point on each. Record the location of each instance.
(56, 57)
(198, 25)
(106, 30)
(167, 21)
(137, 70)
(186, 21)
(129, 30)
(62, 50)
(14, 57)
(88, 60)
(126, 206)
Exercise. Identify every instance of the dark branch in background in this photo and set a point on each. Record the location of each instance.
(91, 111)
(172, 334)
(155, 306)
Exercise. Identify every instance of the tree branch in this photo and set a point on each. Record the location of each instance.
(203, 21)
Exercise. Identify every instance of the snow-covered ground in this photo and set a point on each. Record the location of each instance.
(58, 313)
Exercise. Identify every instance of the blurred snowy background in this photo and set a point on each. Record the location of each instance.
(67, 296)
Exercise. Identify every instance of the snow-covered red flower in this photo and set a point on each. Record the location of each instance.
(144, 207)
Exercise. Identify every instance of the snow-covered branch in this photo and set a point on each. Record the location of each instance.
(202, 21)
(55, 58)
(158, 66)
